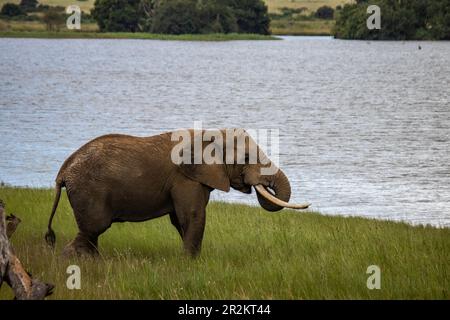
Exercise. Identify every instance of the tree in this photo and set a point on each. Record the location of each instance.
(177, 17)
(400, 20)
(437, 26)
(325, 12)
(11, 10)
(53, 20)
(251, 15)
(182, 16)
(217, 17)
(28, 5)
(117, 15)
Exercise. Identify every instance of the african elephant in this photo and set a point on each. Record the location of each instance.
(118, 178)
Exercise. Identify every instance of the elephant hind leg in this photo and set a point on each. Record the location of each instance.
(82, 245)
(92, 222)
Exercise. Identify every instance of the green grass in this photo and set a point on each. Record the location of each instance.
(316, 27)
(38, 26)
(247, 254)
(137, 35)
(310, 5)
(302, 24)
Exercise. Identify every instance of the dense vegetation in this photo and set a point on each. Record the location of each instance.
(248, 253)
(182, 16)
(400, 20)
(325, 12)
(303, 20)
(31, 11)
(11, 10)
(301, 17)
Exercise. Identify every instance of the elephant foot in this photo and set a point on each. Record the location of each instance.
(192, 251)
(81, 247)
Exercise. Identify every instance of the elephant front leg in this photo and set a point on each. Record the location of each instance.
(193, 232)
(190, 212)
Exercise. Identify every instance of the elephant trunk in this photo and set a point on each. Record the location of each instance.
(281, 194)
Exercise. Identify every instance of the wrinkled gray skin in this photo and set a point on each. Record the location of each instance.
(117, 178)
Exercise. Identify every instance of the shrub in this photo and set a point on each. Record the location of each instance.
(53, 20)
(11, 10)
(251, 15)
(117, 15)
(325, 12)
(216, 17)
(182, 16)
(416, 19)
(176, 17)
(28, 5)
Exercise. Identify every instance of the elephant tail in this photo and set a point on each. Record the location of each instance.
(50, 236)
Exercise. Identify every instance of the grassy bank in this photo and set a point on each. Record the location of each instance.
(137, 35)
(310, 5)
(301, 24)
(302, 28)
(247, 253)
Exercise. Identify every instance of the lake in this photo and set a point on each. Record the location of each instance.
(364, 126)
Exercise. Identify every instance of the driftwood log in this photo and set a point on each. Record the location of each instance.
(11, 270)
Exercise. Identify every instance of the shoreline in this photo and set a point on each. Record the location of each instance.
(134, 36)
(375, 219)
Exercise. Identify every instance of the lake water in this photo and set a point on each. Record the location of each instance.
(364, 126)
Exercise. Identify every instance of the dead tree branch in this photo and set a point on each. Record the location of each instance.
(11, 270)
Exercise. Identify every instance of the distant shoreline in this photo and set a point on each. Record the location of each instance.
(136, 35)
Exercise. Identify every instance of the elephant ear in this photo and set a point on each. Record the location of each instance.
(212, 175)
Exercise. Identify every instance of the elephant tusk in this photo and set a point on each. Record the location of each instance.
(266, 194)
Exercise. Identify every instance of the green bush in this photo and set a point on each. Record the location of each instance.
(11, 10)
(176, 17)
(325, 12)
(28, 5)
(117, 15)
(53, 20)
(415, 19)
(216, 17)
(251, 15)
(182, 16)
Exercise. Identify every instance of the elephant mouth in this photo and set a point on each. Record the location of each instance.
(246, 189)
(242, 187)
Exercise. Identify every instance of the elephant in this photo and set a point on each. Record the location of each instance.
(123, 178)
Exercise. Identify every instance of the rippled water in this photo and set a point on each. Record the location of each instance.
(364, 126)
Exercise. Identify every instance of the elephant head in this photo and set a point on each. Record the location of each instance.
(236, 161)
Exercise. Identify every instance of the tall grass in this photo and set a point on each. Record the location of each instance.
(316, 27)
(310, 5)
(247, 254)
(39, 26)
